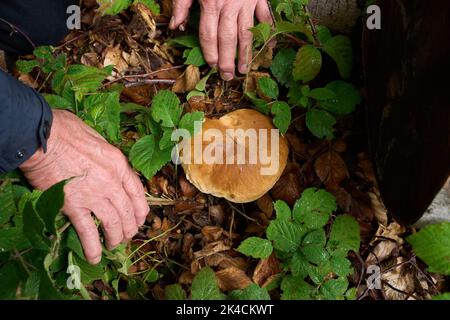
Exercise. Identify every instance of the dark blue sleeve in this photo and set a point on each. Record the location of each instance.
(25, 122)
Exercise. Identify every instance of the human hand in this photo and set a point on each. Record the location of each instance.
(103, 183)
(224, 26)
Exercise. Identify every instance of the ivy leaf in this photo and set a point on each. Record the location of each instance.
(166, 108)
(344, 234)
(189, 119)
(282, 66)
(320, 123)
(432, 245)
(283, 211)
(286, 235)
(255, 247)
(268, 87)
(282, 115)
(340, 49)
(195, 57)
(204, 286)
(175, 292)
(252, 292)
(307, 64)
(345, 98)
(147, 157)
(314, 208)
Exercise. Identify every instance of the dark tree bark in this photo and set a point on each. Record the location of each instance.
(407, 72)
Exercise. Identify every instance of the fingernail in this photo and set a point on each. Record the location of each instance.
(244, 68)
(172, 23)
(227, 76)
(182, 27)
(96, 260)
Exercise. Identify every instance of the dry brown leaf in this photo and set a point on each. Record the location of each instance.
(212, 233)
(232, 278)
(211, 248)
(250, 81)
(380, 211)
(391, 242)
(188, 80)
(400, 278)
(288, 187)
(264, 59)
(265, 269)
(139, 94)
(147, 16)
(217, 214)
(224, 261)
(265, 204)
(187, 189)
(90, 59)
(28, 80)
(331, 169)
(113, 56)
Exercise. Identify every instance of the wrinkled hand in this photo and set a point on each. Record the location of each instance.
(103, 183)
(224, 24)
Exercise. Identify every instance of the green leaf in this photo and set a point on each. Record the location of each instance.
(189, 119)
(255, 247)
(43, 52)
(204, 286)
(321, 94)
(320, 123)
(147, 157)
(195, 93)
(282, 66)
(307, 64)
(299, 265)
(286, 235)
(340, 49)
(49, 205)
(195, 57)
(314, 208)
(33, 228)
(166, 108)
(166, 139)
(58, 102)
(262, 31)
(316, 237)
(345, 99)
(13, 238)
(341, 266)
(345, 234)
(201, 85)
(151, 4)
(315, 253)
(252, 292)
(432, 245)
(442, 297)
(334, 289)
(113, 7)
(175, 292)
(323, 34)
(189, 41)
(89, 272)
(282, 115)
(7, 203)
(282, 210)
(9, 280)
(260, 104)
(295, 288)
(26, 66)
(268, 87)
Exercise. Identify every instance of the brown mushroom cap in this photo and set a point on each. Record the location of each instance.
(235, 182)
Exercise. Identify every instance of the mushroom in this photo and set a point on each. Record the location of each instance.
(240, 156)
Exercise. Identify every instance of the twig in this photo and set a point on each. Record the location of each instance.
(149, 81)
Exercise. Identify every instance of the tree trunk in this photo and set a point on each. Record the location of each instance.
(338, 15)
(407, 68)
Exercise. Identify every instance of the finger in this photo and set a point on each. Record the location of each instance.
(209, 20)
(180, 12)
(227, 43)
(136, 193)
(111, 223)
(87, 232)
(245, 22)
(263, 14)
(124, 207)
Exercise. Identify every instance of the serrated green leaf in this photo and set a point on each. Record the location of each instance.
(334, 289)
(314, 208)
(252, 292)
(282, 66)
(174, 292)
(345, 234)
(282, 115)
(166, 108)
(195, 57)
(282, 210)
(340, 49)
(315, 253)
(88, 271)
(113, 7)
(26, 66)
(442, 297)
(432, 245)
(285, 235)
(345, 100)
(341, 266)
(268, 87)
(308, 63)
(323, 34)
(320, 123)
(189, 41)
(299, 265)
(295, 288)
(204, 286)
(321, 94)
(260, 104)
(166, 139)
(195, 93)
(13, 238)
(255, 247)
(316, 237)
(43, 52)
(262, 31)
(189, 119)
(7, 204)
(9, 280)
(33, 228)
(58, 102)
(147, 157)
(49, 205)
